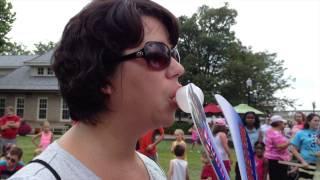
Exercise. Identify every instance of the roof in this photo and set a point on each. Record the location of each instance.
(21, 79)
(44, 59)
(14, 61)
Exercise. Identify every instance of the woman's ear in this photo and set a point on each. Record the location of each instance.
(107, 89)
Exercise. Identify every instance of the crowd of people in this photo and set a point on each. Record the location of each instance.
(279, 142)
(276, 144)
(11, 155)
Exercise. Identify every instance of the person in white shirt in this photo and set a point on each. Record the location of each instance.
(178, 168)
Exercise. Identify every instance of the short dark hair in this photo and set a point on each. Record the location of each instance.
(16, 151)
(90, 48)
(256, 119)
(308, 119)
(276, 124)
(179, 150)
(217, 129)
(256, 144)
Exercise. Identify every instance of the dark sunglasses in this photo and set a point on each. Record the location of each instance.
(157, 55)
(12, 160)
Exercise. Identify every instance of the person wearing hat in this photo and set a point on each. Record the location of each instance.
(221, 141)
(277, 148)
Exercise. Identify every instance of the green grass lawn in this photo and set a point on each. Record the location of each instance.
(165, 156)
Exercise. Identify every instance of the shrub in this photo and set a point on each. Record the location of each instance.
(185, 126)
(24, 129)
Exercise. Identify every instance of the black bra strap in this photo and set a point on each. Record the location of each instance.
(55, 174)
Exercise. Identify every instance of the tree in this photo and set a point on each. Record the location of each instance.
(7, 17)
(15, 49)
(204, 39)
(42, 48)
(263, 68)
(217, 62)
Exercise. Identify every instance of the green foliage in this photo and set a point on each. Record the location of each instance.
(42, 48)
(7, 17)
(15, 49)
(185, 126)
(218, 63)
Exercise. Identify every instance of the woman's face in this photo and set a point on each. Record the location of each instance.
(298, 117)
(259, 150)
(314, 123)
(146, 96)
(250, 118)
(282, 125)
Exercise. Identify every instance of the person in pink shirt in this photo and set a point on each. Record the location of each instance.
(46, 138)
(299, 119)
(194, 136)
(277, 149)
(260, 160)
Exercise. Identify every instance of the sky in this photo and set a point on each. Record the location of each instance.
(290, 28)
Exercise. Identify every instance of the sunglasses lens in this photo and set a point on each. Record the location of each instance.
(157, 55)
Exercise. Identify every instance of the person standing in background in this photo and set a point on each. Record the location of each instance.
(9, 124)
(207, 172)
(277, 149)
(179, 134)
(178, 167)
(148, 143)
(251, 123)
(299, 119)
(261, 161)
(264, 127)
(306, 145)
(46, 138)
(221, 140)
(194, 136)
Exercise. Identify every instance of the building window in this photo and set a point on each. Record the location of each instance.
(40, 71)
(65, 111)
(49, 71)
(2, 106)
(20, 106)
(42, 108)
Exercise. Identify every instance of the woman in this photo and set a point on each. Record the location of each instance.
(277, 149)
(307, 143)
(252, 124)
(118, 71)
(221, 140)
(299, 119)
